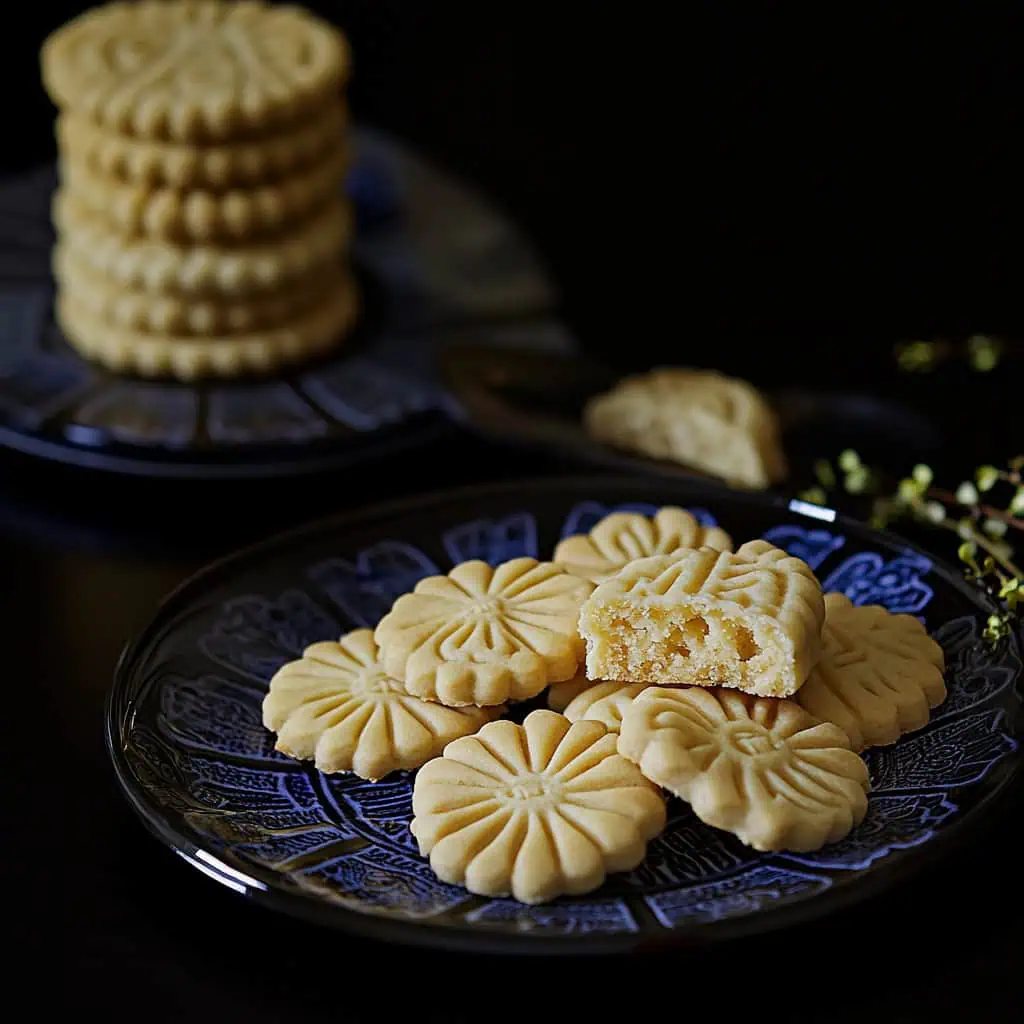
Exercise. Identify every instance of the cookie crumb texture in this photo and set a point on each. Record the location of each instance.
(194, 70)
(534, 811)
(750, 620)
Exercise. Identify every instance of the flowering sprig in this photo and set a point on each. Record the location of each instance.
(981, 351)
(984, 526)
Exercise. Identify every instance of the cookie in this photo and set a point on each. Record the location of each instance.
(605, 703)
(764, 770)
(169, 314)
(749, 620)
(336, 707)
(533, 811)
(716, 424)
(622, 537)
(879, 674)
(561, 695)
(122, 350)
(194, 71)
(197, 216)
(200, 270)
(155, 164)
(484, 635)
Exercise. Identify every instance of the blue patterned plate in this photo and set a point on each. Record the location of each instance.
(186, 739)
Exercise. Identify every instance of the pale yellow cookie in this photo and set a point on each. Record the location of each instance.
(194, 70)
(750, 620)
(121, 350)
(337, 707)
(483, 635)
(605, 703)
(879, 674)
(560, 695)
(765, 770)
(199, 215)
(171, 314)
(535, 810)
(201, 270)
(156, 164)
(716, 424)
(622, 537)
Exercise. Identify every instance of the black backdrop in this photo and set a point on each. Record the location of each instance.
(820, 181)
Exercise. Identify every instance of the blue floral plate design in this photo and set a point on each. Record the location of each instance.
(184, 730)
(430, 255)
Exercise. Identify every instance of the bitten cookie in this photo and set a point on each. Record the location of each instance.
(484, 635)
(622, 537)
(765, 770)
(194, 70)
(700, 418)
(750, 620)
(534, 810)
(337, 707)
(879, 674)
(605, 703)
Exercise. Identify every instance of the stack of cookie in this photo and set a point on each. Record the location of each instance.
(673, 665)
(201, 226)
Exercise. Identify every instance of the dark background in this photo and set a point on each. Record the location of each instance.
(789, 189)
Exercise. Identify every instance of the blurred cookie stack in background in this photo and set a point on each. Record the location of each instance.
(201, 225)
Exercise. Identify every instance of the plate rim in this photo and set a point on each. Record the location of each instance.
(858, 888)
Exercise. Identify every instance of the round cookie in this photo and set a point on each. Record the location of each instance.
(170, 314)
(157, 164)
(605, 703)
(484, 635)
(700, 418)
(337, 707)
(765, 770)
(189, 358)
(154, 265)
(533, 810)
(622, 537)
(561, 695)
(240, 215)
(194, 70)
(879, 674)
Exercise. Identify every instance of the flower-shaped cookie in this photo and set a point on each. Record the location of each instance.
(879, 674)
(485, 636)
(762, 769)
(337, 706)
(700, 418)
(534, 810)
(622, 537)
(561, 695)
(605, 703)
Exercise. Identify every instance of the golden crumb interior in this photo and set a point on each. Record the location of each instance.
(688, 643)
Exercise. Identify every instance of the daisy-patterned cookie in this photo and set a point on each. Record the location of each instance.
(535, 810)
(879, 674)
(622, 537)
(337, 707)
(764, 770)
(484, 635)
(605, 703)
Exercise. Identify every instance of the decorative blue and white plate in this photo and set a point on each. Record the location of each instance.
(185, 734)
(431, 256)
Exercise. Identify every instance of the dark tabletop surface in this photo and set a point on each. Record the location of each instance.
(818, 197)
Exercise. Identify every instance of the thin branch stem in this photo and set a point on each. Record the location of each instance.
(949, 498)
